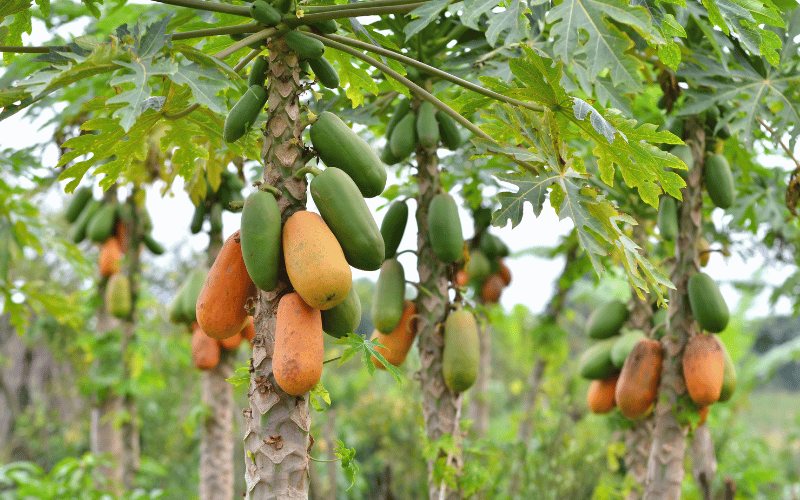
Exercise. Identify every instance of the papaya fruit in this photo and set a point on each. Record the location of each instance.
(82, 223)
(393, 226)
(637, 387)
(668, 218)
(444, 228)
(402, 109)
(176, 311)
(326, 73)
(264, 13)
(462, 278)
(304, 66)
(103, 223)
(244, 113)
(601, 397)
(461, 350)
(684, 153)
(110, 257)
(221, 304)
(258, 74)
(492, 289)
(729, 379)
(343, 318)
(399, 342)
(205, 350)
(249, 330)
(326, 26)
(708, 306)
(314, 261)
(595, 363)
(478, 268)
(79, 201)
(346, 213)
(151, 244)
(232, 181)
(194, 285)
(719, 181)
(448, 131)
(123, 235)
(427, 126)
(338, 146)
(504, 272)
(297, 360)
(231, 343)
(197, 218)
(118, 296)
(493, 247)
(388, 300)
(624, 345)
(261, 239)
(703, 253)
(607, 319)
(403, 140)
(145, 222)
(703, 368)
(305, 46)
(388, 157)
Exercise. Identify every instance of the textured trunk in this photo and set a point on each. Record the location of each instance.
(479, 395)
(704, 462)
(441, 407)
(665, 466)
(276, 436)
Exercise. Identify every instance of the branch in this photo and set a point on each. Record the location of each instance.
(236, 10)
(244, 42)
(783, 145)
(357, 11)
(33, 50)
(352, 6)
(225, 30)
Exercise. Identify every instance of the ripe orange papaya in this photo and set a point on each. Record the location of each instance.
(703, 368)
(504, 272)
(221, 305)
(601, 397)
(205, 350)
(399, 342)
(249, 330)
(231, 343)
(123, 235)
(462, 278)
(298, 357)
(110, 256)
(492, 289)
(637, 386)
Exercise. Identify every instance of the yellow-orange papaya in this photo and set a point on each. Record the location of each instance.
(601, 397)
(637, 386)
(231, 343)
(399, 342)
(249, 330)
(205, 350)
(110, 256)
(297, 360)
(703, 368)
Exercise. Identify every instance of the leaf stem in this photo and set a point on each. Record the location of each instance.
(322, 461)
(183, 113)
(361, 5)
(236, 10)
(33, 50)
(332, 359)
(780, 141)
(357, 10)
(249, 57)
(225, 30)
(244, 42)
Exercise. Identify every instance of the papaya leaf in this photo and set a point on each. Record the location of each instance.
(138, 88)
(354, 79)
(320, 395)
(20, 25)
(502, 16)
(10, 7)
(359, 345)
(744, 18)
(347, 457)
(425, 14)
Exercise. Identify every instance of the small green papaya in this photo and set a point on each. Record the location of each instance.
(388, 157)
(258, 73)
(261, 239)
(595, 363)
(80, 198)
(402, 109)
(444, 228)
(606, 320)
(403, 140)
(478, 268)
(729, 379)
(155, 247)
(393, 226)
(343, 318)
(668, 218)
(326, 26)
(461, 350)
(708, 305)
(82, 223)
(388, 301)
(719, 181)
(215, 216)
(624, 345)
(244, 113)
(176, 312)
(304, 66)
(197, 219)
(448, 131)
(118, 296)
(194, 285)
(684, 153)
(493, 247)
(326, 73)
(305, 46)
(264, 13)
(103, 223)
(427, 126)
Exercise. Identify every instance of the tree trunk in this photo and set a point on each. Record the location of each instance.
(277, 439)
(704, 462)
(441, 407)
(665, 466)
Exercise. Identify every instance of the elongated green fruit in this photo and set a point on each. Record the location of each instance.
(444, 228)
(338, 146)
(404, 137)
(427, 126)
(668, 218)
(388, 157)
(606, 320)
(624, 345)
(103, 223)
(326, 73)
(346, 213)
(264, 13)
(343, 318)
(719, 181)
(176, 313)
(478, 268)
(708, 305)
(155, 247)
(80, 198)
(304, 66)
(402, 109)
(461, 350)
(118, 296)
(393, 226)
(729, 378)
(194, 285)
(244, 113)
(448, 131)
(258, 73)
(493, 247)
(305, 46)
(198, 218)
(326, 26)
(261, 239)
(215, 216)
(388, 301)
(86, 216)
(595, 363)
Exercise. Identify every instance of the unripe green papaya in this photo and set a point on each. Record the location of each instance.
(338, 146)
(305, 46)
(215, 216)
(80, 198)
(343, 318)
(145, 222)
(388, 157)
(393, 226)
(461, 350)
(388, 301)
(264, 13)
(719, 181)
(729, 379)
(606, 320)
(176, 312)
(402, 109)
(155, 247)
(244, 113)
(232, 181)
(304, 66)
(624, 345)
(708, 305)
(478, 268)
(404, 137)
(444, 228)
(326, 26)
(427, 126)
(493, 247)
(258, 73)
(346, 213)
(198, 218)
(118, 296)
(194, 285)
(125, 213)
(683, 152)
(282, 5)
(103, 223)
(448, 131)
(326, 73)
(82, 223)
(668, 218)
(595, 363)
(261, 239)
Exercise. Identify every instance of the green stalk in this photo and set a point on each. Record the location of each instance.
(294, 21)
(236, 10)
(351, 6)
(32, 50)
(265, 33)
(225, 30)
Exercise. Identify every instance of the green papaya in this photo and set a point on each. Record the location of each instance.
(244, 113)
(305, 46)
(145, 222)
(125, 213)
(668, 218)
(194, 284)
(461, 350)
(402, 109)
(264, 13)
(493, 247)
(282, 5)
(660, 318)
(388, 300)
(338, 146)
(403, 140)
(729, 379)
(393, 226)
(304, 66)
(444, 228)
(343, 318)
(215, 216)
(118, 296)
(80, 198)
(176, 312)
(155, 247)
(412, 74)
(607, 319)
(103, 223)
(684, 153)
(388, 157)
(258, 73)
(448, 131)
(326, 26)
(326, 73)
(624, 345)
(708, 306)
(261, 239)
(232, 181)
(595, 363)
(427, 126)
(719, 181)
(478, 268)
(344, 210)
(197, 219)
(82, 223)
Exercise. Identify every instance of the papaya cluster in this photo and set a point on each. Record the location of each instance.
(485, 270)
(215, 202)
(424, 126)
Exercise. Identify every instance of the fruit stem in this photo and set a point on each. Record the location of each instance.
(236, 206)
(409, 250)
(308, 169)
(183, 113)
(236, 10)
(225, 30)
(420, 288)
(269, 188)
